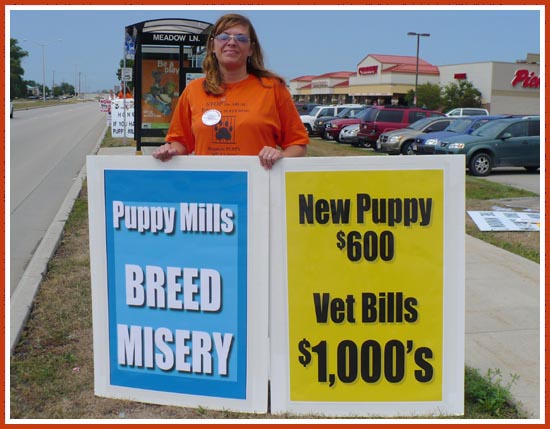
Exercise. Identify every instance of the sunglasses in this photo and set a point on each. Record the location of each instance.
(240, 38)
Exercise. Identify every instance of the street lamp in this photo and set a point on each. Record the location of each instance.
(42, 45)
(418, 36)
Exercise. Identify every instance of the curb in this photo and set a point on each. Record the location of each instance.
(21, 301)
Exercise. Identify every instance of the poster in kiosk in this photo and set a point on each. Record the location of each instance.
(367, 316)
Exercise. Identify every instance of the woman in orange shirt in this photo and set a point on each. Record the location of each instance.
(239, 108)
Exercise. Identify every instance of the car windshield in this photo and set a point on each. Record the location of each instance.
(491, 129)
(460, 126)
(315, 110)
(344, 113)
(370, 115)
(363, 113)
(420, 124)
(350, 112)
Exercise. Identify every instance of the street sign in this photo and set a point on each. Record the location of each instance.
(127, 74)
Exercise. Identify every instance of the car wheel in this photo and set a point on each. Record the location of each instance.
(327, 136)
(308, 129)
(480, 164)
(406, 149)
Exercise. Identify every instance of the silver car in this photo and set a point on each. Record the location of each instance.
(400, 141)
(348, 134)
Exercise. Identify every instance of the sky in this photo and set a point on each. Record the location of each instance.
(84, 46)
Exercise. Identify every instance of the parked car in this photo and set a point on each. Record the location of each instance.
(425, 143)
(401, 141)
(318, 111)
(348, 134)
(305, 108)
(335, 126)
(381, 119)
(467, 111)
(321, 122)
(499, 143)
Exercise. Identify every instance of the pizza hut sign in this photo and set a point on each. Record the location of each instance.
(526, 78)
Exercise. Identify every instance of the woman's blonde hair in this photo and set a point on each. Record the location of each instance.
(213, 83)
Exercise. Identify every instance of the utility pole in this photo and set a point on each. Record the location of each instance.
(418, 35)
(43, 45)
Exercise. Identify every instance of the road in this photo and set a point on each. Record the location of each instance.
(48, 148)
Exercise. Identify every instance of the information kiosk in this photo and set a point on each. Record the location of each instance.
(167, 54)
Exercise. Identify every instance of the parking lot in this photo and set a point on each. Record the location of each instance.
(517, 177)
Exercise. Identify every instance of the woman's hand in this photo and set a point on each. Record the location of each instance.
(168, 150)
(269, 156)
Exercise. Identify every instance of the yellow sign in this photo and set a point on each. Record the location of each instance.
(365, 285)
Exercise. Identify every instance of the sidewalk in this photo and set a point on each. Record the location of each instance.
(503, 319)
(504, 294)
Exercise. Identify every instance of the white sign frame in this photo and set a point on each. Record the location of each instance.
(454, 289)
(257, 280)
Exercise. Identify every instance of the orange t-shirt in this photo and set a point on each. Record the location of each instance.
(249, 115)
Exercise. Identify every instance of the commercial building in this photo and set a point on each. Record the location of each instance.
(386, 79)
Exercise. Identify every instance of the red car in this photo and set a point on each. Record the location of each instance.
(333, 127)
(381, 119)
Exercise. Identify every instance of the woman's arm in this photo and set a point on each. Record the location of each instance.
(168, 150)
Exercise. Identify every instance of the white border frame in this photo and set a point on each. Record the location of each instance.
(453, 298)
(257, 280)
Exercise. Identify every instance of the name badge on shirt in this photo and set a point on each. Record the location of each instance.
(211, 117)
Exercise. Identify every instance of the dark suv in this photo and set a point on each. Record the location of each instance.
(499, 143)
(381, 119)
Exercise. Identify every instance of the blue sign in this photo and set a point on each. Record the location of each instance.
(176, 247)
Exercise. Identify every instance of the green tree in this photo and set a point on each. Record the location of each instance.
(17, 84)
(409, 97)
(429, 96)
(462, 94)
(63, 89)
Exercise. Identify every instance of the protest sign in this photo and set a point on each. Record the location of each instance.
(122, 118)
(370, 271)
(179, 280)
